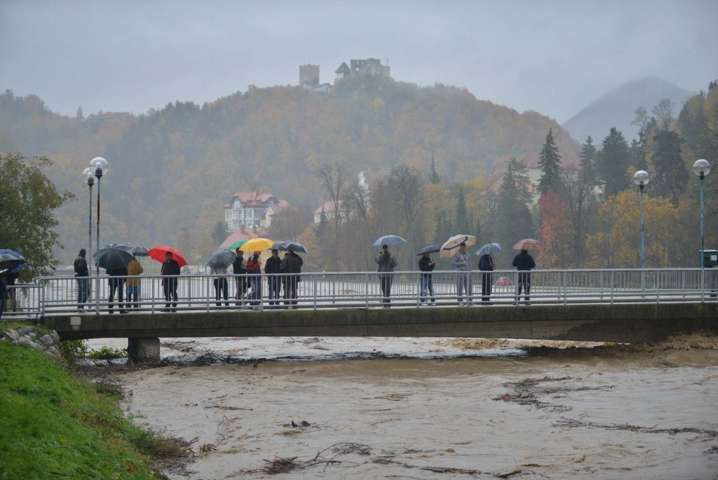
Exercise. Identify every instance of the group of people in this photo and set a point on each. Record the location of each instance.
(282, 281)
(461, 262)
(126, 277)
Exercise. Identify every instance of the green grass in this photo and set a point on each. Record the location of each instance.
(53, 425)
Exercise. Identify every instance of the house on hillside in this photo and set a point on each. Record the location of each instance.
(367, 67)
(251, 210)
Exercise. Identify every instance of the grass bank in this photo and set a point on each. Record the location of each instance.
(54, 425)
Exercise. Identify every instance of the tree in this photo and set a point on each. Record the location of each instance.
(580, 203)
(663, 113)
(550, 163)
(334, 180)
(219, 233)
(513, 216)
(613, 162)
(462, 221)
(28, 201)
(670, 173)
(587, 157)
(556, 229)
(434, 175)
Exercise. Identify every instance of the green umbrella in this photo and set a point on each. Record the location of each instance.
(236, 245)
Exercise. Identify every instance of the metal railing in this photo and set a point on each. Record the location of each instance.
(317, 290)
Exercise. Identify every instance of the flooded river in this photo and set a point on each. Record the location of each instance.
(499, 414)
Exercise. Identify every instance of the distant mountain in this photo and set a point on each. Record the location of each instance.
(173, 169)
(617, 108)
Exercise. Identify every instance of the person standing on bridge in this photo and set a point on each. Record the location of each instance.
(254, 271)
(486, 266)
(273, 267)
(134, 270)
(221, 286)
(240, 277)
(82, 275)
(291, 267)
(524, 263)
(426, 286)
(386, 265)
(170, 271)
(462, 265)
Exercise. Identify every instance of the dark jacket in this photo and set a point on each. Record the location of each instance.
(292, 263)
(170, 267)
(385, 262)
(524, 261)
(486, 263)
(117, 272)
(273, 265)
(81, 267)
(238, 267)
(426, 265)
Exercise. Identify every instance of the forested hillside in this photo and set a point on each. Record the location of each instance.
(172, 169)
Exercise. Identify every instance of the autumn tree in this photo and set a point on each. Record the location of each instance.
(333, 178)
(670, 174)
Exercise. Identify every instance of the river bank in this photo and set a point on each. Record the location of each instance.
(54, 424)
(607, 412)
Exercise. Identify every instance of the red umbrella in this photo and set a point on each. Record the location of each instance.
(158, 253)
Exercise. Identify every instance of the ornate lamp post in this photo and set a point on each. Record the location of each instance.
(702, 168)
(641, 178)
(100, 166)
(89, 174)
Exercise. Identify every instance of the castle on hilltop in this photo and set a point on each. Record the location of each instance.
(366, 67)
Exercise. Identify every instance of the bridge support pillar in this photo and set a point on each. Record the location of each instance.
(143, 349)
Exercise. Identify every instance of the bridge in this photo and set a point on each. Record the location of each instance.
(620, 305)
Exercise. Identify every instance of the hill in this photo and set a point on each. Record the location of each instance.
(617, 108)
(172, 169)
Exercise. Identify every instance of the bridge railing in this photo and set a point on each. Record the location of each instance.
(315, 290)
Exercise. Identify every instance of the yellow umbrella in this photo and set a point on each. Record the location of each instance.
(256, 245)
(449, 247)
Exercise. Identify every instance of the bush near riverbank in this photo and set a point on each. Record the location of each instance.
(53, 425)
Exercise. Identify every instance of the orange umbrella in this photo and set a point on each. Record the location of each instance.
(527, 244)
(158, 253)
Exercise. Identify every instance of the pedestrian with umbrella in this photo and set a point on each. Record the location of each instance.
(462, 265)
(82, 274)
(170, 272)
(11, 262)
(134, 270)
(218, 262)
(426, 266)
(386, 264)
(486, 266)
(254, 271)
(524, 263)
(240, 276)
(115, 261)
(291, 267)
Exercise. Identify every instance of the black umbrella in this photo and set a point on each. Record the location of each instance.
(10, 259)
(134, 250)
(285, 245)
(113, 259)
(429, 249)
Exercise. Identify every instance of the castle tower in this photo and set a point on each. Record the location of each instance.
(309, 76)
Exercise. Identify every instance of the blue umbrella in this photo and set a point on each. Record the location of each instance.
(389, 240)
(429, 249)
(489, 249)
(221, 259)
(10, 259)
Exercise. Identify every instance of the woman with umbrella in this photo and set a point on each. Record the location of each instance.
(461, 264)
(386, 264)
(115, 261)
(218, 262)
(486, 266)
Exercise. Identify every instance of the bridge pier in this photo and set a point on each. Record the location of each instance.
(143, 350)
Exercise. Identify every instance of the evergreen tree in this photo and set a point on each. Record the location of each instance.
(434, 175)
(587, 173)
(550, 163)
(513, 216)
(462, 220)
(693, 125)
(613, 162)
(670, 175)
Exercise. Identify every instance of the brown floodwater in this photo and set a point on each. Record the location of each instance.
(626, 414)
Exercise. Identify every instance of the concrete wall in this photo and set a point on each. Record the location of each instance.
(622, 323)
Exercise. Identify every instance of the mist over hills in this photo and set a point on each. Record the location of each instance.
(617, 107)
(172, 169)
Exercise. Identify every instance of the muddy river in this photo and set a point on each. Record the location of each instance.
(432, 412)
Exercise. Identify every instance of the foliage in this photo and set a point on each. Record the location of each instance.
(53, 424)
(556, 230)
(28, 201)
(670, 175)
(73, 349)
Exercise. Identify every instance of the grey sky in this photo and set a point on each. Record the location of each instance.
(550, 56)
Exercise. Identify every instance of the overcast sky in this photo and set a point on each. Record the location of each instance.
(550, 56)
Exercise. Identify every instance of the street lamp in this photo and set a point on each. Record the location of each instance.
(100, 166)
(640, 178)
(89, 174)
(702, 168)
